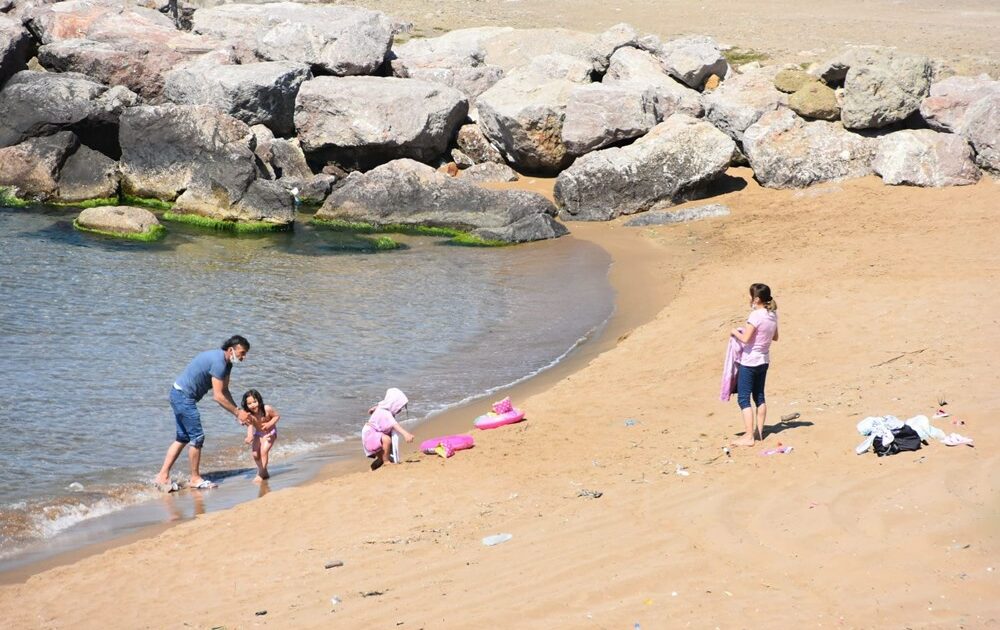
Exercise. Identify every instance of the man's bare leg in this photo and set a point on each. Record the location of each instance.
(163, 478)
(194, 454)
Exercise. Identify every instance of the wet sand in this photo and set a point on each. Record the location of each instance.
(887, 297)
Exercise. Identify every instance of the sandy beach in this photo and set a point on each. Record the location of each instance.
(885, 295)
(888, 300)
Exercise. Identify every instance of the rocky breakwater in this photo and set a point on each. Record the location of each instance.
(262, 105)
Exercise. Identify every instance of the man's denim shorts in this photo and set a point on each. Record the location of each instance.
(187, 417)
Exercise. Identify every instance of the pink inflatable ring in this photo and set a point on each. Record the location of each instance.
(494, 420)
(447, 445)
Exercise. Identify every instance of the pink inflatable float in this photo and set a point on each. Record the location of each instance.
(503, 413)
(447, 445)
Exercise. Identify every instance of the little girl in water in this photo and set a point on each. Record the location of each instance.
(756, 336)
(376, 436)
(262, 432)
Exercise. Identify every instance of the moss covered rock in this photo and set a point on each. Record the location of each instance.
(120, 221)
(815, 100)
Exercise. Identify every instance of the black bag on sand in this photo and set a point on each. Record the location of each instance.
(904, 439)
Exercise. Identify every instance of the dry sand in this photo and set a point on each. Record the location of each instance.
(888, 298)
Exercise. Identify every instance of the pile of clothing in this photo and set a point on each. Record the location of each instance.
(888, 435)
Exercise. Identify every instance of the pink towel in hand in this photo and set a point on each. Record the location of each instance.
(729, 368)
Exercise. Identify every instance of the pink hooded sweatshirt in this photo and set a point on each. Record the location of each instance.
(381, 420)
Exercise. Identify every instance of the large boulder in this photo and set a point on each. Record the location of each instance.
(790, 80)
(923, 157)
(667, 217)
(202, 159)
(786, 151)
(885, 89)
(600, 115)
(693, 59)
(608, 42)
(87, 174)
(31, 168)
(741, 100)
(124, 221)
(363, 121)
(982, 128)
(338, 40)
(640, 67)
(256, 93)
(455, 59)
(132, 48)
(15, 48)
(524, 118)
(673, 160)
(554, 66)
(489, 172)
(950, 99)
(409, 193)
(40, 103)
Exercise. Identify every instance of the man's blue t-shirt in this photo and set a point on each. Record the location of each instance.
(196, 379)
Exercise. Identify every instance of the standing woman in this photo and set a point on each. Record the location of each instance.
(760, 330)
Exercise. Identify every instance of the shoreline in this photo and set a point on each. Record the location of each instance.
(344, 458)
(854, 264)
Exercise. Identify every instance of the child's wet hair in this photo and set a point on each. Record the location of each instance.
(252, 393)
(762, 292)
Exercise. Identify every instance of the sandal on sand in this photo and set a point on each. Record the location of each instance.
(204, 484)
(955, 440)
(781, 450)
(791, 416)
(941, 413)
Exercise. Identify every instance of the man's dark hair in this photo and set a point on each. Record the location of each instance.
(236, 340)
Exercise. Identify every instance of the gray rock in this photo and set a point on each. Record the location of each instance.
(460, 159)
(524, 118)
(599, 115)
(665, 217)
(362, 121)
(950, 99)
(610, 41)
(554, 66)
(340, 40)
(982, 128)
(40, 103)
(786, 151)
(693, 59)
(489, 172)
(410, 193)
(310, 190)
(203, 159)
(476, 146)
(741, 100)
(815, 100)
(87, 174)
(455, 59)
(256, 93)
(923, 157)
(671, 161)
(15, 48)
(886, 90)
(118, 220)
(834, 71)
(31, 168)
(517, 47)
(639, 67)
(288, 159)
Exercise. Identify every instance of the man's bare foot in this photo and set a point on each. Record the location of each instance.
(744, 441)
(160, 480)
(264, 475)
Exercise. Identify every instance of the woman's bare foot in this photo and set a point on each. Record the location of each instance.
(743, 441)
(258, 479)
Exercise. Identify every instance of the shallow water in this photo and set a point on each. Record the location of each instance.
(93, 332)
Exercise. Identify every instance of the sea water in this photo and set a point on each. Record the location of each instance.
(93, 332)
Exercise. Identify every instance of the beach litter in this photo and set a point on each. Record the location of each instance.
(791, 416)
(333, 563)
(372, 593)
(496, 539)
(335, 600)
(260, 613)
(631, 422)
(682, 471)
(593, 494)
(778, 450)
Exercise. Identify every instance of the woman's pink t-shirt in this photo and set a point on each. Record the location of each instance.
(756, 351)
